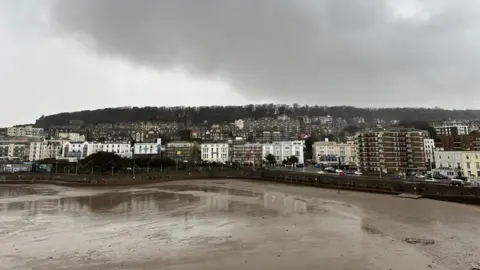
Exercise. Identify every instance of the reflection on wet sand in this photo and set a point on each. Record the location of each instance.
(195, 225)
(284, 203)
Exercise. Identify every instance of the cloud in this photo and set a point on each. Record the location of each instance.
(357, 52)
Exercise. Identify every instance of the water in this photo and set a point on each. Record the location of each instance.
(230, 225)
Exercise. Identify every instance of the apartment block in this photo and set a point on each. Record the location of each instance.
(247, 153)
(181, 151)
(458, 142)
(391, 151)
(25, 131)
(429, 147)
(451, 130)
(14, 150)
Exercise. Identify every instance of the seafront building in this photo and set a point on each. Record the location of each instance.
(329, 152)
(215, 152)
(145, 148)
(466, 162)
(182, 151)
(282, 150)
(81, 150)
(391, 151)
(247, 153)
(429, 148)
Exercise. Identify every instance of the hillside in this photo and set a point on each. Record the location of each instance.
(220, 114)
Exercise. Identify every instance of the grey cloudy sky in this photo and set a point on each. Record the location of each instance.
(70, 55)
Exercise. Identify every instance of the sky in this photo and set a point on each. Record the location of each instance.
(58, 55)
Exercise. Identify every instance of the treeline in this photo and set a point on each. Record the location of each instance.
(219, 114)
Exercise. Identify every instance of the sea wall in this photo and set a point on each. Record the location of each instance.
(123, 179)
(470, 195)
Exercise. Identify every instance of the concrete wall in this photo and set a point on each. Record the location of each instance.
(426, 190)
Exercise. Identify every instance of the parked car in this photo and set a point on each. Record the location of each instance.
(457, 183)
(321, 172)
(338, 171)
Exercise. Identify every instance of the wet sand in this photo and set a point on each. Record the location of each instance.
(231, 225)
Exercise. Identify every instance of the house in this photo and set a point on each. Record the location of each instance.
(215, 152)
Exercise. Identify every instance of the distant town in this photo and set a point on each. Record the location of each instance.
(448, 147)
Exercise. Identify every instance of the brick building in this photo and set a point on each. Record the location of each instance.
(458, 142)
(391, 151)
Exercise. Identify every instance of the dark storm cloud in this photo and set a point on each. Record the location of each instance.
(326, 51)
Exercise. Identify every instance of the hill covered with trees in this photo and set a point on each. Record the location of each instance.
(219, 114)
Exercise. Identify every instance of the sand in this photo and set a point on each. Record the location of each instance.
(231, 225)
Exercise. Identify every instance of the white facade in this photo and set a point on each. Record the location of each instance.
(447, 130)
(148, 148)
(82, 150)
(429, 147)
(35, 151)
(282, 150)
(122, 149)
(215, 152)
(76, 137)
(334, 153)
(467, 161)
(239, 123)
(52, 148)
(27, 131)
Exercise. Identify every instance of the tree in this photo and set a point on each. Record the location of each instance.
(293, 160)
(271, 159)
(309, 146)
(421, 125)
(185, 134)
(219, 114)
(351, 130)
(104, 161)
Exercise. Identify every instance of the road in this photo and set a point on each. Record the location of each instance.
(384, 177)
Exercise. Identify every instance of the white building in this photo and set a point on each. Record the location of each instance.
(282, 150)
(52, 148)
(26, 131)
(215, 152)
(452, 130)
(81, 150)
(122, 149)
(72, 136)
(466, 161)
(429, 148)
(18, 148)
(154, 148)
(35, 151)
(240, 124)
(327, 152)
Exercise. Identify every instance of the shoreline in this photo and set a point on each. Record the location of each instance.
(464, 195)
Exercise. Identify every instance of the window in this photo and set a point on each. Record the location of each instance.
(468, 165)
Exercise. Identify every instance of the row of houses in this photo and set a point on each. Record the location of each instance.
(242, 152)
